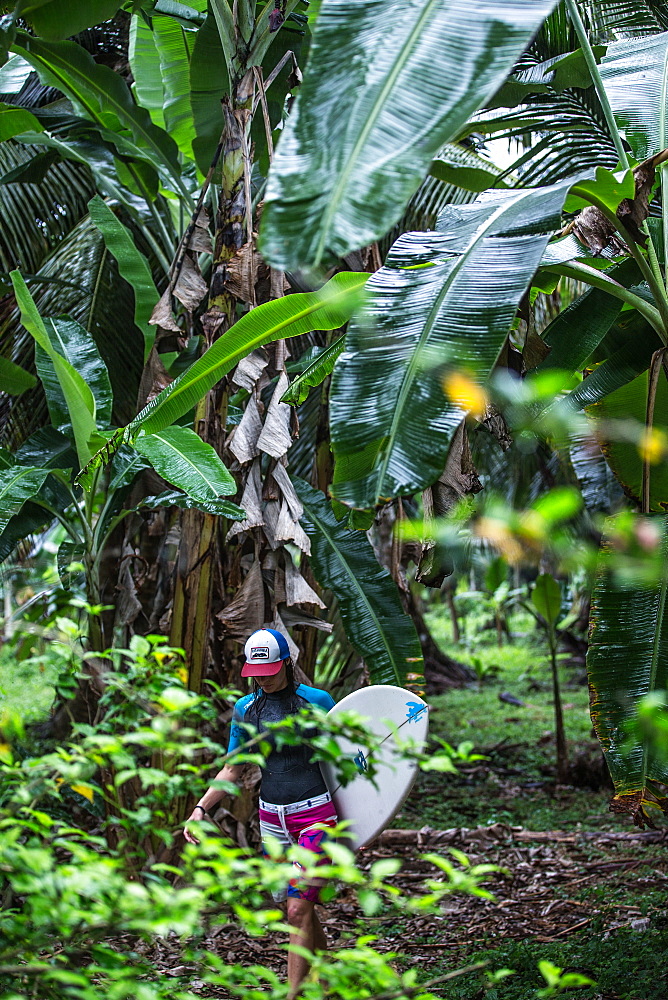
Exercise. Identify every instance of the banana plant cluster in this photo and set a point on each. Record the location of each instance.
(38, 483)
(392, 93)
(446, 299)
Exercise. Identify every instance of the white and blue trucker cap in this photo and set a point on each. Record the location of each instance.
(265, 651)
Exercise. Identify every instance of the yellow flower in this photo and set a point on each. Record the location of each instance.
(464, 392)
(653, 445)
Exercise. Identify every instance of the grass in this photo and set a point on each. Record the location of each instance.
(517, 785)
(625, 965)
(26, 687)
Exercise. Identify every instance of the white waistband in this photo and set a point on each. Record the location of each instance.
(293, 807)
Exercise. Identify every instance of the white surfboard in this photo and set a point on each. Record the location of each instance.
(371, 807)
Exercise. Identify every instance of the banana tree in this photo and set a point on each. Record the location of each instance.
(38, 483)
(446, 300)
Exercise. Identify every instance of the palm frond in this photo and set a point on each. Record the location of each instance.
(103, 303)
(35, 217)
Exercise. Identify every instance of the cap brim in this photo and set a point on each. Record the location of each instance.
(261, 669)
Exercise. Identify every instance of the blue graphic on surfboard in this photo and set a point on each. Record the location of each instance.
(371, 808)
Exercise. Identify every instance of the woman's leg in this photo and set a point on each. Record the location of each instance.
(305, 926)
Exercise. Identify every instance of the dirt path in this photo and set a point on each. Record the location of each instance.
(554, 885)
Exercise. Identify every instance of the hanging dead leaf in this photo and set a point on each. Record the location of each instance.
(597, 233)
(154, 379)
(276, 438)
(243, 442)
(495, 423)
(280, 474)
(535, 351)
(297, 590)
(244, 271)
(162, 314)
(251, 501)
(632, 212)
(211, 321)
(594, 231)
(459, 478)
(200, 239)
(298, 617)
(246, 612)
(190, 287)
(249, 371)
(290, 530)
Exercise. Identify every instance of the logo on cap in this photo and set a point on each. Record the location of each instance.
(260, 652)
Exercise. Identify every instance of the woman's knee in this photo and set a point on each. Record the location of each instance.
(300, 911)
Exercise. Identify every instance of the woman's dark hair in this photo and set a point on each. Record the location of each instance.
(290, 692)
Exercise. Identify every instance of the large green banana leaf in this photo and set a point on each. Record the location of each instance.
(47, 448)
(181, 457)
(577, 331)
(443, 299)
(209, 82)
(75, 345)
(132, 266)
(343, 561)
(18, 484)
(217, 505)
(145, 65)
(627, 660)
(69, 186)
(388, 82)
(624, 456)
(79, 399)
(174, 46)
(314, 375)
(326, 309)
(58, 288)
(97, 92)
(30, 520)
(635, 75)
(57, 19)
(13, 379)
(14, 120)
(621, 367)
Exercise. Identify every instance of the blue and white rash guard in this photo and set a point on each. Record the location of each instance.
(289, 774)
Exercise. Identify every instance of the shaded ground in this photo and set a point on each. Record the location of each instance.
(595, 903)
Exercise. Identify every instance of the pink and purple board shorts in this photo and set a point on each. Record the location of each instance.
(304, 823)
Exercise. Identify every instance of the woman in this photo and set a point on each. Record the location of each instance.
(295, 806)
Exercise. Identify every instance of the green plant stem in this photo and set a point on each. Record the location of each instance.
(101, 544)
(592, 66)
(583, 272)
(654, 280)
(59, 517)
(611, 122)
(562, 748)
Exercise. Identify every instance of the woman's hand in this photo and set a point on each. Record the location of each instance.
(195, 816)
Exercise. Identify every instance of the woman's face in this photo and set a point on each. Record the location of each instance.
(270, 685)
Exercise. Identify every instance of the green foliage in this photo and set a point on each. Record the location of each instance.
(132, 266)
(627, 654)
(634, 74)
(313, 375)
(393, 414)
(326, 309)
(546, 598)
(101, 898)
(343, 562)
(326, 199)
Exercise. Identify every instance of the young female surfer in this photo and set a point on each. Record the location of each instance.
(295, 806)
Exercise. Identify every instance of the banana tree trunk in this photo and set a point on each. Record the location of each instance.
(200, 546)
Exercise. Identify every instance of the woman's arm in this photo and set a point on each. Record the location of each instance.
(211, 798)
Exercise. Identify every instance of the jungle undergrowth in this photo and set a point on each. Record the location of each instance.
(517, 785)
